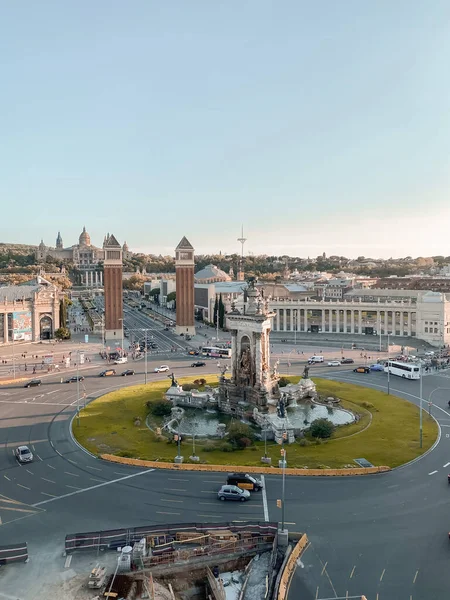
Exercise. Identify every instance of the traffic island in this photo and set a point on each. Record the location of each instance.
(386, 432)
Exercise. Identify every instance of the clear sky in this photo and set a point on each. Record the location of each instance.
(321, 126)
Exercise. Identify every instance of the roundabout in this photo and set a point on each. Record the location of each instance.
(382, 535)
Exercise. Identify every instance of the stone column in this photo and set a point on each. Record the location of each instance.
(234, 354)
(338, 324)
(386, 322)
(292, 319)
(410, 323)
(323, 320)
(330, 320)
(402, 323)
(352, 321)
(306, 319)
(345, 320)
(284, 319)
(359, 321)
(5, 330)
(277, 319)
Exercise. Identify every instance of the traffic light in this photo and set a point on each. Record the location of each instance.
(285, 435)
(278, 503)
(175, 437)
(282, 451)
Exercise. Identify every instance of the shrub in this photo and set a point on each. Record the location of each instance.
(159, 408)
(63, 333)
(209, 446)
(125, 454)
(226, 447)
(367, 404)
(304, 442)
(187, 387)
(239, 434)
(283, 381)
(321, 428)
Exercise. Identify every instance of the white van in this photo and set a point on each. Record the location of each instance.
(121, 360)
(315, 359)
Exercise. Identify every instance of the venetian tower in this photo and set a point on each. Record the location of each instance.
(112, 280)
(184, 268)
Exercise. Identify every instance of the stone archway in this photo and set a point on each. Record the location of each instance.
(46, 328)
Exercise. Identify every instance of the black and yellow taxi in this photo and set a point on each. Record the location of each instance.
(245, 481)
(361, 370)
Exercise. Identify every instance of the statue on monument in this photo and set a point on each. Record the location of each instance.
(174, 382)
(306, 372)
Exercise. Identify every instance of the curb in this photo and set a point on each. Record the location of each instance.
(244, 469)
(290, 567)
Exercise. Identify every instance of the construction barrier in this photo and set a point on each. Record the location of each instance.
(290, 567)
(13, 553)
(115, 538)
(153, 464)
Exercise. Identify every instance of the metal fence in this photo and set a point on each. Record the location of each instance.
(13, 553)
(115, 538)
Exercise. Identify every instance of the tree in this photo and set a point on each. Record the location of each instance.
(160, 408)
(321, 428)
(62, 333)
(63, 313)
(172, 297)
(221, 309)
(240, 435)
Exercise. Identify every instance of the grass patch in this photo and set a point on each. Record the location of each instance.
(387, 432)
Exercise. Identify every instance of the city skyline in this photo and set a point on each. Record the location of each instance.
(320, 127)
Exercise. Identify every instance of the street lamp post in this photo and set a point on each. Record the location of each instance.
(420, 409)
(122, 338)
(389, 368)
(283, 488)
(78, 388)
(295, 327)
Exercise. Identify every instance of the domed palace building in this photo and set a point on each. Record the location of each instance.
(86, 257)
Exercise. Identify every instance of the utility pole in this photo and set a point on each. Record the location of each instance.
(420, 410)
(78, 389)
(389, 368)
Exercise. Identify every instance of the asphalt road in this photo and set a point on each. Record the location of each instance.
(384, 534)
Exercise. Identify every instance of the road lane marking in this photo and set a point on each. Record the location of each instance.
(353, 570)
(169, 500)
(72, 461)
(45, 494)
(212, 481)
(446, 465)
(176, 479)
(382, 574)
(415, 576)
(93, 479)
(317, 592)
(51, 467)
(30, 472)
(210, 516)
(167, 513)
(264, 499)
(72, 487)
(15, 509)
(52, 392)
(173, 490)
(432, 473)
(6, 477)
(94, 487)
(324, 567)
(23, 486)
(69, 473)
(94, 468)
(202, 492)
(49, 480)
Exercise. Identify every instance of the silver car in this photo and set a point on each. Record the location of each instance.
(232, 492)
(23, 454)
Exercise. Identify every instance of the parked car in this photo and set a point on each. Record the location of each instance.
(127, 372)
(74, 379)
(244, 481)
(429, 353)
(347, 361)
(121, 360)
(376, 367)
(107, 373)
(232, 492)
(361, 370)
(334, 363)
(162, 369)
(33, 383)
(199, 363)
(23, 454)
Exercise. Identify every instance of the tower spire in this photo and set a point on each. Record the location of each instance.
(242, 241)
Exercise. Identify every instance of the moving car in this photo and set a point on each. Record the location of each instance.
(315, 359)
(193, 352)
(244, 481)
(232, 492)
(347, 361)
(121, 360)
(127, 372)
(74, 379)
(33, 383)
(23, 454)
(376, 367)
(361, 370)
(429, 353)
(162, 369)
(334, 363)
(107, 373)
(199, 363)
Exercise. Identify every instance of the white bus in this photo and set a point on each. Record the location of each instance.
(405, 370)
(215, 352)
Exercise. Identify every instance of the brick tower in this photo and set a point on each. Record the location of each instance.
(112, 283)
(184, 266)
